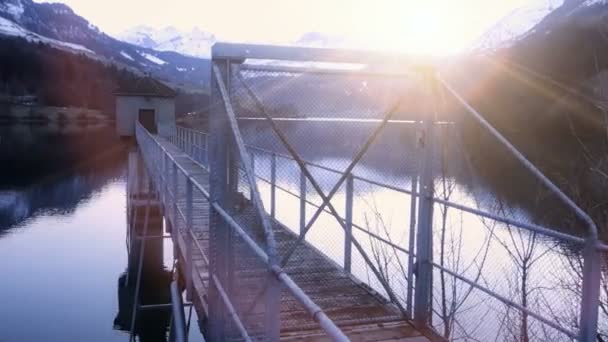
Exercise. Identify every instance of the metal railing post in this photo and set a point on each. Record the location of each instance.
(348, 217)
(165, 185)
(411, 246)
(182, 144)
(206, 150)
(273, 184)
(190, 145)
(188, 239)
(200, 148)
(424, 238)
(302, 202)
(219, 192)
(179, 328)
(175, 198)
(592, 274)
(252, 189)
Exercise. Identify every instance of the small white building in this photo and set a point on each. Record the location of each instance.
(147, 100)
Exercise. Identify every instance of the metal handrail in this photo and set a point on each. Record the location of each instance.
(317, 314)
(527, 226)
(522, 159)
(178, 321)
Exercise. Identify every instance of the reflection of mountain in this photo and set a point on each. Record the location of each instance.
(46, 171)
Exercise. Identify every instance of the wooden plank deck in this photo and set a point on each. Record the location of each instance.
(360, 312)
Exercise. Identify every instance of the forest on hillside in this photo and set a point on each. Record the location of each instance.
(66, 79)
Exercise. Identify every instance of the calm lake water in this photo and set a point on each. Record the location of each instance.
(63, 227)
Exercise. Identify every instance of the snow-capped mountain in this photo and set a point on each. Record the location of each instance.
(57, 25)
(516, 24)
(193, 43)
(536, 17)
(318, 39)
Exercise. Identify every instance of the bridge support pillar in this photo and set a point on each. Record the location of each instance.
(424, 234)
(220, 174)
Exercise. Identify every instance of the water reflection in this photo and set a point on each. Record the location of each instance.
(144, 217)
(51, 171)
(67, 274)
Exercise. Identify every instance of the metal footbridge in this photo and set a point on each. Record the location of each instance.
(312, 271)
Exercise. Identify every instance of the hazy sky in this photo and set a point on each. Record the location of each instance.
(433, 25)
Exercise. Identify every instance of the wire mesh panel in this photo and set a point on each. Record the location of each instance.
(498, 268)
(342, 180)
(326, 122)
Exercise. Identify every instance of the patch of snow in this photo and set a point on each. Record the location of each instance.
(182, 69)
(193, 43)
(15, 8)
(126, 55)
(9, 28)
(593, 2)
(153, 58)
(93, 27)
(317, 39)
(65, 44)
(517, 24)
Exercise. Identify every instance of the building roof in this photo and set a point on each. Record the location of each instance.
(145, 86)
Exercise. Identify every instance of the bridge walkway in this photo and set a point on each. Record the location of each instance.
(361, 313)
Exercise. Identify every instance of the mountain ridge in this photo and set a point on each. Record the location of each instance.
(58, 25)
(196, 42)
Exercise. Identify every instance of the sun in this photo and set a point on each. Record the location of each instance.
(414, 27)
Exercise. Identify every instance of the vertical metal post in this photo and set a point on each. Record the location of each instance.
(411, 246)
(252, 190)
(424, 243)
(200, 148)
(206, 154)
(191, 142)
(273, 182)
(302, 202)
(185, 141)
(592, 274)
(348, 233)
(219, 150)
(165, 185)
(188, 239)
(175, 198)
(207, 150)
(186, 144)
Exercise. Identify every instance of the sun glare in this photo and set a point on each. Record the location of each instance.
(416, 29)
(429, 27)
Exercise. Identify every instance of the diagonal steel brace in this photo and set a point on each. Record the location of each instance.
(257, 201)
(327, 199)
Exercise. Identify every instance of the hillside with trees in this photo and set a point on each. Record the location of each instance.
(60, 78)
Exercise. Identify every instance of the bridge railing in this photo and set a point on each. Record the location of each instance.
(447, 267)
(276, 190)
(232, 310)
